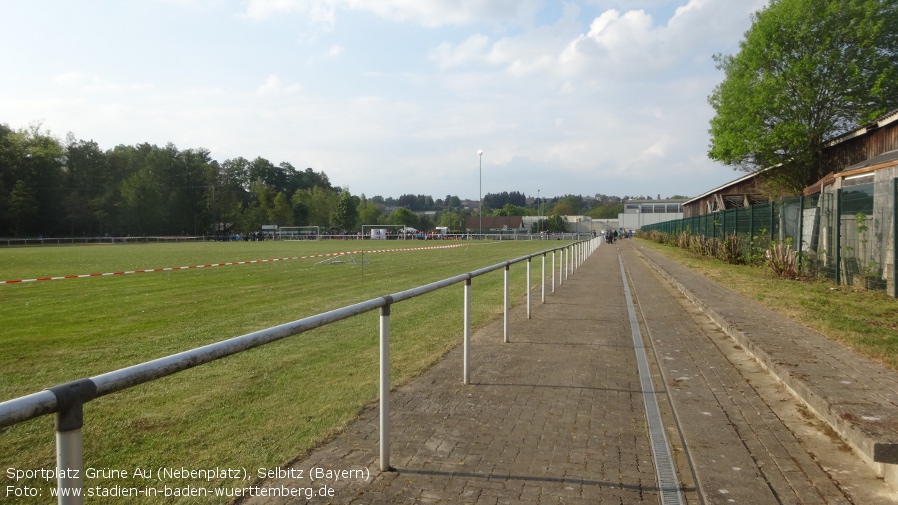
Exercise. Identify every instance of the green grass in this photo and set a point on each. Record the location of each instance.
(260, 408)
(865, 321)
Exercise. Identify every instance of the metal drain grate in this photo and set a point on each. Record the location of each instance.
(664, 467)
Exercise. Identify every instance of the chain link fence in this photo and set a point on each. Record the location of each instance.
(845, 234)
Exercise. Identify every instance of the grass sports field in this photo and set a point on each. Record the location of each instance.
(258, 409)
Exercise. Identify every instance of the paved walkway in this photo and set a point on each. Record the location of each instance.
(555, 416)
(855, 396)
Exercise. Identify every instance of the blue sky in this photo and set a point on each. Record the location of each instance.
(390, 97)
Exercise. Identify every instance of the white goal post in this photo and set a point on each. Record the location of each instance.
(379, 231)
(295, 233)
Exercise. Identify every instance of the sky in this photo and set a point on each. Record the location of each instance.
(390, 97)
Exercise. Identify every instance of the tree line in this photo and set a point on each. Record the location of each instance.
(51, 187)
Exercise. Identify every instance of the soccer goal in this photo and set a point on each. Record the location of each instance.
(296, 233)
(380, 231)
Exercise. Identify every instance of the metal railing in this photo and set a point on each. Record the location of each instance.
(67, 400)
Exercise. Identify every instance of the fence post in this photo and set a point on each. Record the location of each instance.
(385, 385)
(838, 237)
(772, 220)
(800, 230)
(505, 308)
(544, 279)
(895, 238)
(70, 400)
(466, 372)
(723, 215)
(751, 222)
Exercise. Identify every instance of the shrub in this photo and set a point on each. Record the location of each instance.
(731, 250)
(783, 260)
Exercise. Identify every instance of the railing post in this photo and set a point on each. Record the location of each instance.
(561, 266)
(505, 316)
(567, 262)
(385, 385)
(466, 372)
(553, 270)
(70, 399)
(544, 279)
(528, 287)
(570, 261)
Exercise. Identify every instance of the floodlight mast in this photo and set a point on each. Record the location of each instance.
(480, 156)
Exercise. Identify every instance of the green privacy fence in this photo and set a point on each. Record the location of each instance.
(848, 234)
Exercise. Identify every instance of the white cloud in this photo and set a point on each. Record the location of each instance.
(431, 13)
(471, 50)
(622, 44)
(656, 151)
(335, 51)
(319, 13)
(94, 83)
(261, 9)
(275, 86)
(69, 78)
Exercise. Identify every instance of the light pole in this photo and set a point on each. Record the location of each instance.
(480, 157)
(539, 210)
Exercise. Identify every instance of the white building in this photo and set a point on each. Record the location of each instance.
(638, 213)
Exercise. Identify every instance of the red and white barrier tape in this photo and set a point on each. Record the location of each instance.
(209, 265)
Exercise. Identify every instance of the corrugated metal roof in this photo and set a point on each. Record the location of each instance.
(881, 121)
(731, 183)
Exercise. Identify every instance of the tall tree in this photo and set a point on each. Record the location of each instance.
(404, 217)
(313, 206)
(807, 71)
(280, 213)
(453, 220)
(346, 213)
(41, 171)
(23, 207)
(85, 174)
(143, 211)
(369, 212)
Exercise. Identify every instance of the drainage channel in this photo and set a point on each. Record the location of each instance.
(664, 467)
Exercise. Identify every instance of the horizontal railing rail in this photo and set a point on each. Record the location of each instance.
(67, 400)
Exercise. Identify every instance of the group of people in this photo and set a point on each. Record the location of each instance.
(612, 235)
